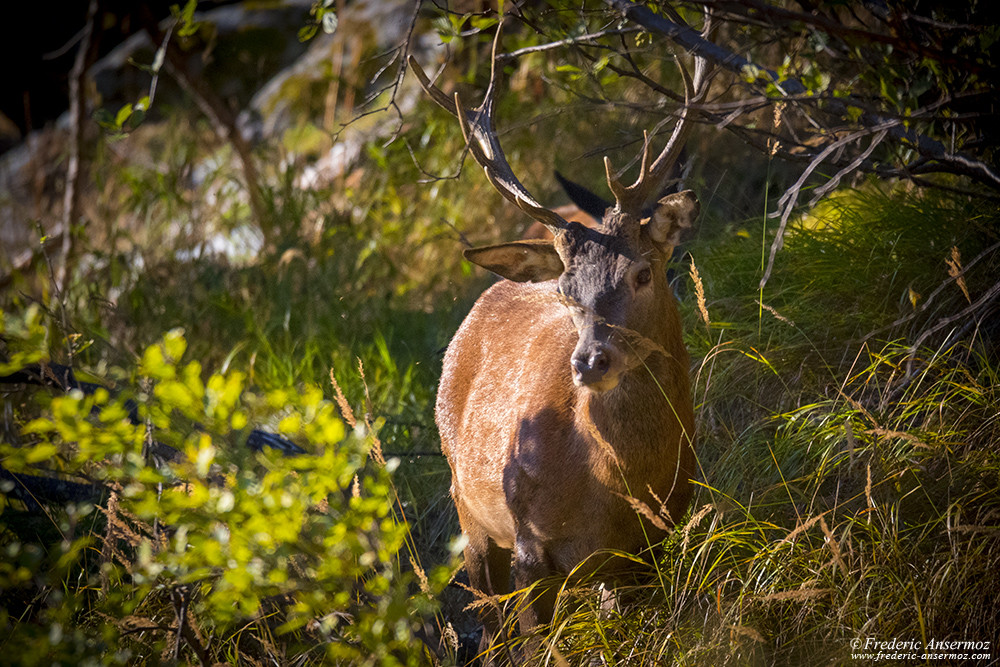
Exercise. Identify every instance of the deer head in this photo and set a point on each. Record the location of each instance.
(607, 276)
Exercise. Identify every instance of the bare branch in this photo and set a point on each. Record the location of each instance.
(696, 43)
(402, 53)
(569, 41)
(219, 114)
(479, 129)
(85, 55)
(981, 304)
(822, 191)
(791, 196)
(933, 295)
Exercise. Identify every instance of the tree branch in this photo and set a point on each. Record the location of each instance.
(693, 41)
(791, 196)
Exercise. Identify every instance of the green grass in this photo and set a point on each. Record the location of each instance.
(849, 483)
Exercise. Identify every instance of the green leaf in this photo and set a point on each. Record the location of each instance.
(307, 32)
(123, 115)
(483, 22)
(185, 18)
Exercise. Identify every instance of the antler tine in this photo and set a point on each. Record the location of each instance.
(480, 134)
(633, 197)
(433, 91)
(621, 192)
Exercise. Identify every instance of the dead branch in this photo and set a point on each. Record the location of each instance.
(933, 295)
(86, 54)
(694, 42)
(789, 200)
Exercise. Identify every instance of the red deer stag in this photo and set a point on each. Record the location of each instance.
(564, 399)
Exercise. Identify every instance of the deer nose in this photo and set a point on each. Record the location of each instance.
(590, 366)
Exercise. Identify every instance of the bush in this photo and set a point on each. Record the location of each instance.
(197, 546)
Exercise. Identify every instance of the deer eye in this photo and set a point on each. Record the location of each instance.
(643, 277)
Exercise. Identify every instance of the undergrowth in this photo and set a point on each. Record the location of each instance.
(192, 547)
(849, 485)
(848, 429)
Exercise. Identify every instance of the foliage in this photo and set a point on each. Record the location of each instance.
(256, 553)
(849, 483)
(846, 412)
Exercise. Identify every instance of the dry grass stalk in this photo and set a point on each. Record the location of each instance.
(345, 407)
(955, 271)
(369, 411)
(800, 594)
(777, 315)
(421, 576)
(558, 658)
(699, 293)
(481, 599)
(692, 522)
(834, 547)
(663, 511)
(641, 346)
(451, 636)
(132, 624)
(108, 548)
(801, 528)
(889, 433)
(857, 406)
(970, 528)
(644, 509)
(742, 630)
(776, 143)
(868, 486)
(120, 527)
(377, 450)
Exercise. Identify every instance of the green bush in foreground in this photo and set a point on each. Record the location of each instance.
(246, 554)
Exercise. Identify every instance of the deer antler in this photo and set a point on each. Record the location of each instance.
(480, 134)
(632, 198)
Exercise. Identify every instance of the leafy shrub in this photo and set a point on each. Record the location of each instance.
(195, 545)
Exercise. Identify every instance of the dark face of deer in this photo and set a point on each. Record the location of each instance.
(611, 278)
(605, 280)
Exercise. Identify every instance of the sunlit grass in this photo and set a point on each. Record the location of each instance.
(847, 483)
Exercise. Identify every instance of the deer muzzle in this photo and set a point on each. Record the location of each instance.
(597, 364)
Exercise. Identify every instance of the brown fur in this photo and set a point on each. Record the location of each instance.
(529, 476)
(570, 212)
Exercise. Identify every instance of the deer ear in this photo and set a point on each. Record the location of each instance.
(520, 261)
(673, 215)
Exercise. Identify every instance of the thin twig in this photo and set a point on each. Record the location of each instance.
(85, 56)
(569, 41)
(821, 191)
(791, 196)
(697, 44)
(218, 112)
(982, 302)
(402, 53)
